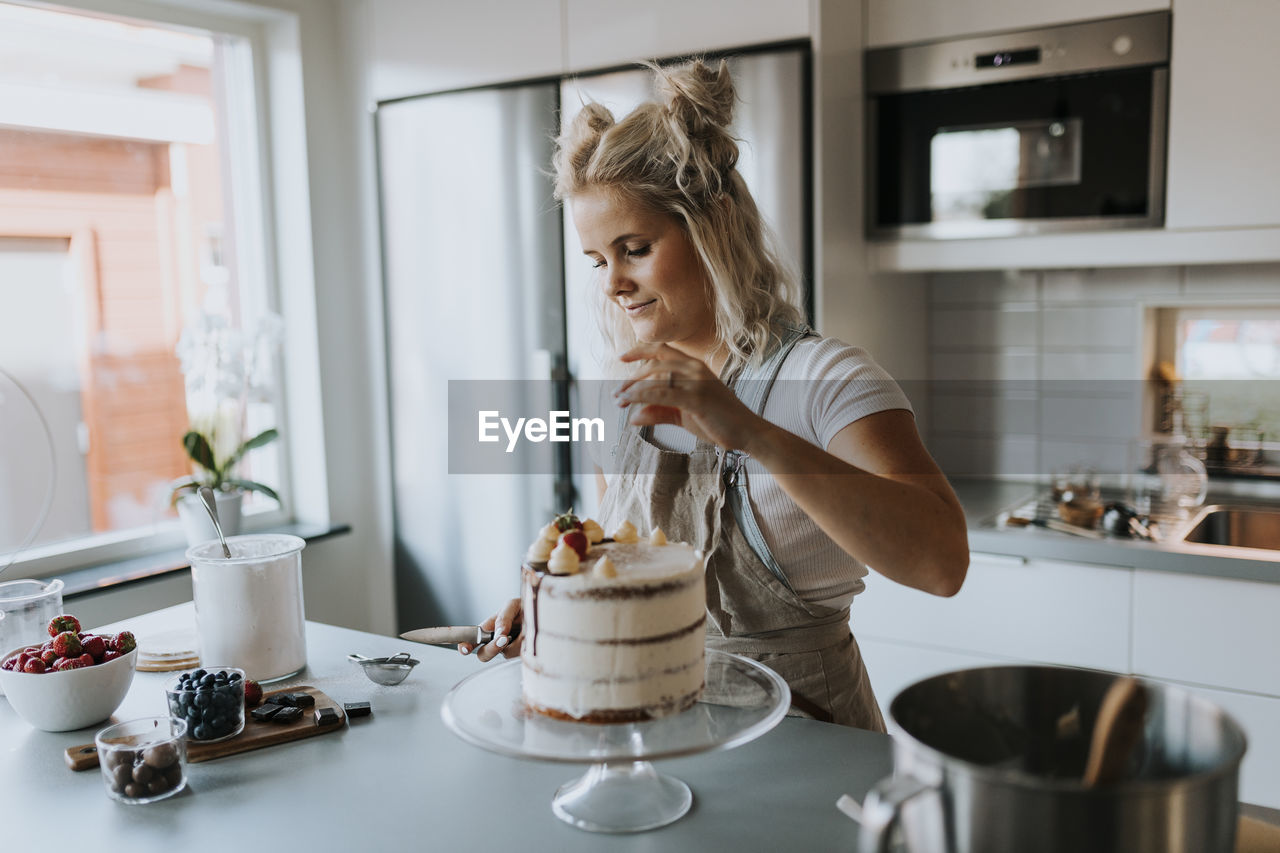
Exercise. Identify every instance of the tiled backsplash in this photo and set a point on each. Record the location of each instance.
(1036, 371)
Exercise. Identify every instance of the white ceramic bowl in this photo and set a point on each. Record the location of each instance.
(68, 700)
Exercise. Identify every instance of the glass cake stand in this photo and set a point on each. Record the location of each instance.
(621, 791)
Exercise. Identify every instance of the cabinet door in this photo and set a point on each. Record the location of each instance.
(1211, 631)
(416, 47)
(1259, 716)
(906, 21)
(1039, 610)
(602, 33)
(894, 666)
(1223, 124)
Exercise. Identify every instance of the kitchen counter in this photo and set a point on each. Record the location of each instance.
(400, 777)
(985, 500)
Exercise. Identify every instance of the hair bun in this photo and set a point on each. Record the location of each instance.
(700, 97)
(596, 118)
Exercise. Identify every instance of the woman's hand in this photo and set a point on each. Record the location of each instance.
(673, 388)
(500, 624)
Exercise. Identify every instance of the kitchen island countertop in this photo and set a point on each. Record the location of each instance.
(401, 780)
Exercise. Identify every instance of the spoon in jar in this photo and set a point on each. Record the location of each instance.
(210, 504)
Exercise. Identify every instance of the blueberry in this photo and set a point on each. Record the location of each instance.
(199, 673)
(221, 677)
(235, 676)
(203, 700)
(218, 725)
(200, 733)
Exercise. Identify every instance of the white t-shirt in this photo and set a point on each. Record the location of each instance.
(823, 386)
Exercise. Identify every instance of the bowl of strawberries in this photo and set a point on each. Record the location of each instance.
(72, 680)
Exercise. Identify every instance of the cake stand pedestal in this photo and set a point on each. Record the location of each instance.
(621, 791)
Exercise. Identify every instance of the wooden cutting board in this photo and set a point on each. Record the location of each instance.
(255, 735)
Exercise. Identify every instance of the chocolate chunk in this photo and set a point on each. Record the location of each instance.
(357, 709)
(302, 700)
(265, 712)
(326, 716)
(287, 715)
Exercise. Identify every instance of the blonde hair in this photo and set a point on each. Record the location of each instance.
(675, 155)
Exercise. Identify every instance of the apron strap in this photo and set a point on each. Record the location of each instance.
(753, 387)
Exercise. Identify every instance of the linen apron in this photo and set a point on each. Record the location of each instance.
(701, 498)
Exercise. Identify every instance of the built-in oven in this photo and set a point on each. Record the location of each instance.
(1055, 129)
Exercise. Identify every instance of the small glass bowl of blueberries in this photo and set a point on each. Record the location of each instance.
(211, 701)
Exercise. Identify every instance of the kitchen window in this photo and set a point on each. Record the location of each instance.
(1227, 361)
(130, 202)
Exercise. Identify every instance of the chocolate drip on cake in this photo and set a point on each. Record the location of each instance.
(535, 584)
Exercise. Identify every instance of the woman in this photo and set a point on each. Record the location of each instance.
(732, 401)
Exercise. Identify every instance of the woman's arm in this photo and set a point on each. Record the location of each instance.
(878, 494)
(875, 490)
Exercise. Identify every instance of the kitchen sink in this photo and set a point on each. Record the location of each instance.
(1239, 527)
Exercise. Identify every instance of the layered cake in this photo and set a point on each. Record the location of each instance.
(613, 626)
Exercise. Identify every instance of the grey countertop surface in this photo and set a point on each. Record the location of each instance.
(985, 500)
(401, 779)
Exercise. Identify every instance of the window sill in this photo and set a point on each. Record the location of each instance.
(121, 573)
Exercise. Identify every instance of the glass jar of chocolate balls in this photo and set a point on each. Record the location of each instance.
(210, 701)
(143, 760)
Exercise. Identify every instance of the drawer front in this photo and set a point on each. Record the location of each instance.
(1038, 610)
(1211, 631)
(1259, 716)
(894, 666)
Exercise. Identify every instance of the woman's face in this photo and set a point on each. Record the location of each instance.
(649, 269)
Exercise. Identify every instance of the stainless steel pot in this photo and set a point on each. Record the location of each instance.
(990, 760)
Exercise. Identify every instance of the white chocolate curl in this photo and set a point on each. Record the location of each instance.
(657, 537)
(564, 561)
(551, 533)
(626, 534)
(593, 530)
(605, 568)
(539, 551)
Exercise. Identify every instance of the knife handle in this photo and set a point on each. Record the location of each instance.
(487, 636)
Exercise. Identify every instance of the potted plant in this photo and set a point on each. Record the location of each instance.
(218, 475)
(226, 372)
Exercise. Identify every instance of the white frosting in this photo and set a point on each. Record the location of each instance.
(657, 537)
(605, 568)
(630, 641)
(568, 656)
(539, 551)
(579, 697)
(595, 533)
(626, 533)
(551, 533)
(564, 561)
